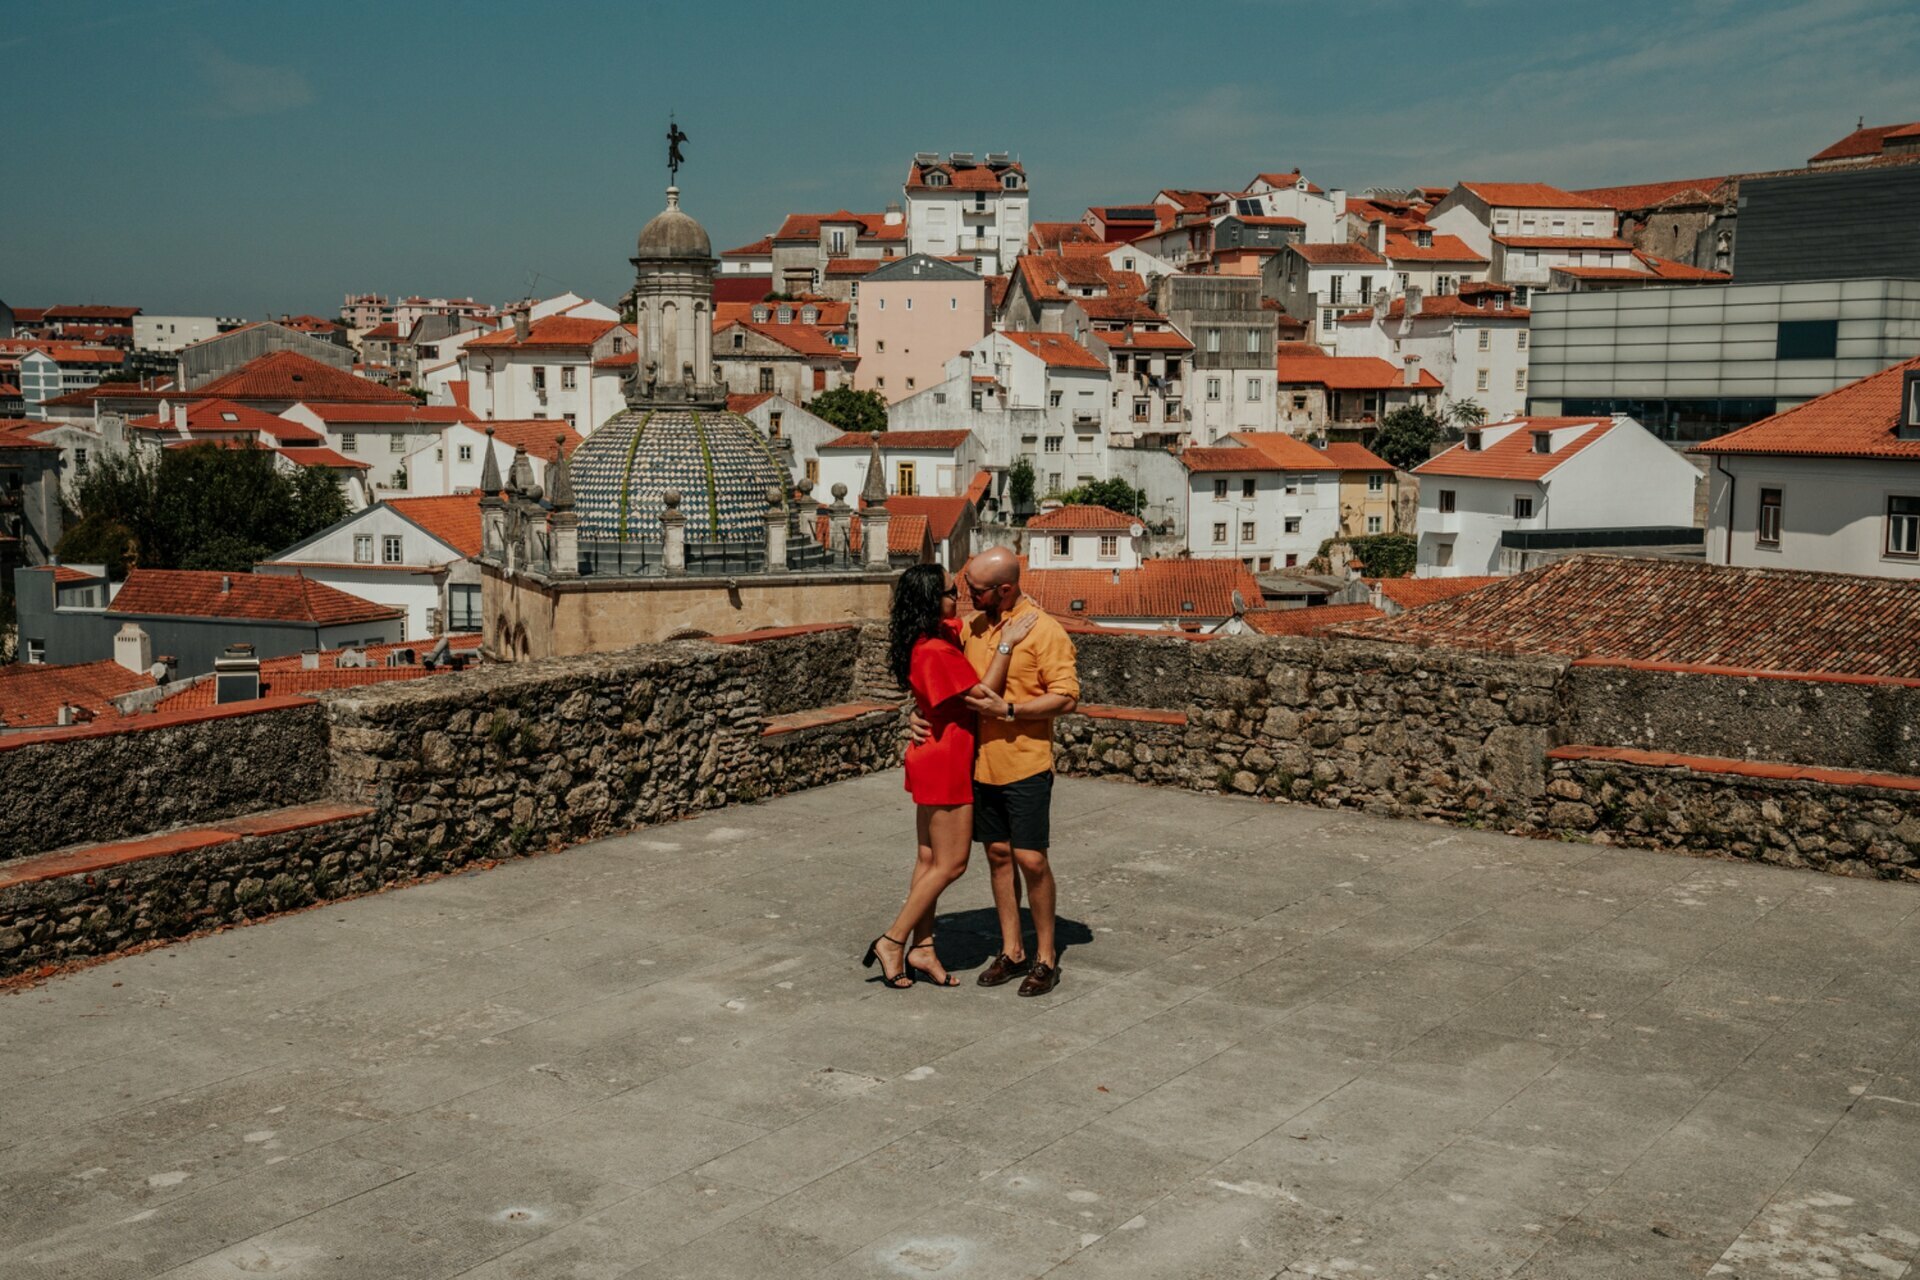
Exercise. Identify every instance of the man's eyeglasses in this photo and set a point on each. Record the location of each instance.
(952, 592)
(988, 589)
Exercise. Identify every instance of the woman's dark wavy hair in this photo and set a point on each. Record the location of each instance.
(916, 615)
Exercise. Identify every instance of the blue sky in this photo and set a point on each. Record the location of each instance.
(239, 157)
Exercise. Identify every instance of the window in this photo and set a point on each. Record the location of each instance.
(813, 470)
(1062, 545)
(1326, 319)
(910, 381)
(1213, 339)
(1445, 503)
(1543, 442)
(1220, 532)
(1366, 292)
(1213, 388)
(1246, 488)
(80, 461)
(1903, 527)
(1253, 342)
(363, 548)
(539, 378)
(349, 443)
(1053, 399)
(463, 607)
(739, 340)
(566, 378)
(773, 424)
(1519, 379)
(904, 480)
(1376, 484)
(1300, 402)
(1486, 340)
(766, 378)
(1053, 482)
(1253, 391)
(618, 344)
(880, 346)
(1480, 380)
(1246, 531)
(1333, 289)
(1520, 339)
(1142, 410)
(1109, 546)
(1373, 524)
(1522, 508)
(1293, 560)
(1767, 529)
(570, 419)
(391, 552)
(396, 443)
(1220, 490)
(1266, 563)
(1293, 524)
(1053, 444)
(1806, 340)
(1473, 442)
(466, 453)
(36, 651)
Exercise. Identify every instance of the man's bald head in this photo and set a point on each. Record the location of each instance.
(994, 567)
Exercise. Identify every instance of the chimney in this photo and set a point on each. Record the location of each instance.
(893, 215)
(1377, 235)
(1354, 570)
(1413, 301)
(522, 326)
(180, 419)
(236, 675)
(1412, 375)
(309, 659)
(133, 648)
(226, 584)
(1339, 197)
(1375, 596)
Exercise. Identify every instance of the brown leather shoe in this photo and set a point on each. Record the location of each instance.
(1003, 969)
(1044, 978)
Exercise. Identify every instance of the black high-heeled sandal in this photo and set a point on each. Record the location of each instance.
(927, 974)
(892, 981)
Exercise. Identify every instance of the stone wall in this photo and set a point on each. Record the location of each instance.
(1811, 818)
(1387, 728)
(802, 667)
(1840, 723)
(63, 787)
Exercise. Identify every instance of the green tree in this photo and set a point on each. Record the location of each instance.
(851, 410)
(1115, 494)
(1466, 415)
(1020, 483)
(1381, 555)
(1407, 435)
(202, 507)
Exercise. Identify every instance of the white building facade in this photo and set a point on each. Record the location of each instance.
(960, 206)
(1244, 505)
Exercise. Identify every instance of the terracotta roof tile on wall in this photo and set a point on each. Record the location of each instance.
(1310, 621)
(1355, 457)
(1861, 143)
(1679, 611)
(1411, 593)
(192, 593)
(454, 520)
(548, 331)
(941, 514)
(1530, 195)
(32, 693)
(1321, 255)
(288, 375)
(1858, 420)
(1512, 457)
(1348, 373)
(899, 439)
(1648, 195)
(1056, 349)
(1289, 452)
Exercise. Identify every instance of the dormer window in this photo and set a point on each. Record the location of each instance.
(809, 316)
(1011, 182)
(1909, 428)
(936, 179)
(760, 315)
(1543, 442)
(1424, 239)
(1473, 442)
(786, 315)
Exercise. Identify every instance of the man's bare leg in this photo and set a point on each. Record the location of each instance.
(1038, 874)
(1006, 899)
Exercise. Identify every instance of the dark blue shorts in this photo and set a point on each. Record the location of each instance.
(1015, 813)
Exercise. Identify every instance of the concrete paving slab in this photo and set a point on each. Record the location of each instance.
(1288, 1042)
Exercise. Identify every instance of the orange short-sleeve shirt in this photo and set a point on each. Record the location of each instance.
(1041, 663)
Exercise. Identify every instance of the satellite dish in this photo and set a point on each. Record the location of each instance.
(1136, 528)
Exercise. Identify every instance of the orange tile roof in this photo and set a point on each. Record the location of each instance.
(906, 534)
(387, 332)
(1854, 421)
(1865, 142)
(1679, 611)
(1283, 180)
(1056, 349)
(65, 573)
(1412, 593)
(1326, 255)
(806, 226)
(1668, 269)
(461, 390)
(1443, 249)
(1650, 195)
(1355, 457)
(978, 486)
(193, 593)
(941, 514)
(32, 693)
(537, 435)
(288, 375)
(1349, 373)
(899, 439)
(1238, 459)
(1511, 457)
(746, 403)
(1447, 305)
(1133, 338)
(855, 266)
(1169, 590)
(286, 674)
(1082, 516)
(1308, 621)
(229, 416)
(321, 456)
(828, 313)
(90, 313)
(1133, 310)
(1286, 451)
(1050, 237)
(454, 520)
(758, 249)
(978, 177)
(1051, 278)
(408, 414)
(1530, 195)
(802, 339)
(548, 331)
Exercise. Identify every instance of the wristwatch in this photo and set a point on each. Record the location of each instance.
(1009, 716)
(1003, 648)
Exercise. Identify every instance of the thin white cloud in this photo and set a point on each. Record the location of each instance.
(238, 89)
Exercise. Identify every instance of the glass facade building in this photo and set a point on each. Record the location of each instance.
(1693, 362)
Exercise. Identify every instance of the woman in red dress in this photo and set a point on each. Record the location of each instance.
(925, 655)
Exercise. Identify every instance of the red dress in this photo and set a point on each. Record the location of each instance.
(940, 770)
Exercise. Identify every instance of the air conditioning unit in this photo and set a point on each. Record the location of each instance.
(960, 158)
(926, 157)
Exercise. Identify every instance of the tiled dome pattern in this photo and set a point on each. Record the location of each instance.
(716, 459)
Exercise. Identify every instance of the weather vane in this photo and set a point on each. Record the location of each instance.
(675, 136)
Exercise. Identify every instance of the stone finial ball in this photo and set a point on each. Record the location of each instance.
(839, 492)
(533, 493)
(805, 486)
(773, 495)
(670, 499)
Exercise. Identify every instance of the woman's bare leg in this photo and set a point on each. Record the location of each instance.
(946, 837)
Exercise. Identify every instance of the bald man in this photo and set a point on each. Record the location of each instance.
(1013, 770)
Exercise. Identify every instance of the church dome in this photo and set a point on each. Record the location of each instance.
(673, 234)
(717, 461)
